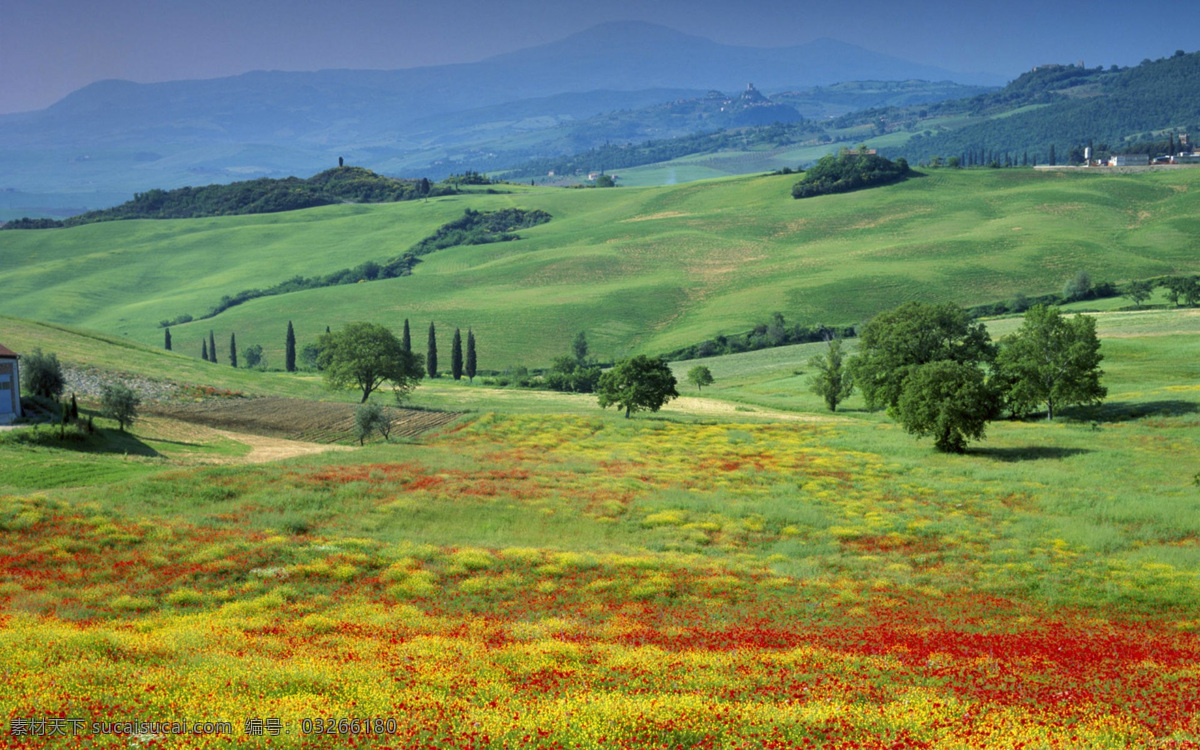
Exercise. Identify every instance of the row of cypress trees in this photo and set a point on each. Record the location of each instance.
(459, 365)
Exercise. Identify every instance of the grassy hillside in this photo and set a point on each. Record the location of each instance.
(640, 269)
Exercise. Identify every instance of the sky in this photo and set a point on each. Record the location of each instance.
(49, 48)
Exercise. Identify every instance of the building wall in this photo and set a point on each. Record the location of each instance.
(10, 388)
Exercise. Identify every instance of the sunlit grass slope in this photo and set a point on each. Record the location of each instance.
(77, 347)
(641, 269)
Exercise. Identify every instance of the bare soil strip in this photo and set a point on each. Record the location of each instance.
(294, 419)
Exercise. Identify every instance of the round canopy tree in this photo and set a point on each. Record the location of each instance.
(365, 356)
(949, 401)
(636, 384)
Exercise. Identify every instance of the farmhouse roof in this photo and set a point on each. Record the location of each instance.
(6, 352)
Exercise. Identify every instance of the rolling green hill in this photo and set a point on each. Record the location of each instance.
(640, 269)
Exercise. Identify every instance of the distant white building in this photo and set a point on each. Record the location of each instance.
(10, 385)
(1129, 160)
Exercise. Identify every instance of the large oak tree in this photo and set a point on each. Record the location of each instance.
(365, 356)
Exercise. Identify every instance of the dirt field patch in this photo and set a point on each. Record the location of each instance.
(294, 419)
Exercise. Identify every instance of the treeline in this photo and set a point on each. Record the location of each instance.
(849, 171)
(262, 196)
(474, 228)
(775, 332)
(625, 156)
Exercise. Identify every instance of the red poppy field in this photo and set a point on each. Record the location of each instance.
(563, 582)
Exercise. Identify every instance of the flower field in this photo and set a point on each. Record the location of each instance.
(562, 581)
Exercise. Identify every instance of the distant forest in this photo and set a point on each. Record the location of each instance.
(262, 196)
(1115, 110)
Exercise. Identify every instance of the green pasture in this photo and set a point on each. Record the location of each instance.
(1099, 506)
(640, 269)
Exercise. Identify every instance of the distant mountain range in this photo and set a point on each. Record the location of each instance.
(116, 136)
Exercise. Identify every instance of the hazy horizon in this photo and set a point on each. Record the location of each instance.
(54, 47)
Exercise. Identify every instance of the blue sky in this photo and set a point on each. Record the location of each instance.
(49, 48)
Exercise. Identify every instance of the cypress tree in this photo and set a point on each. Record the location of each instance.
(203, 350)
(167, 340)
(431, 353)
(289, 355)
(470, 356)
(1052, 159)
(232, 350)
(456, 357)
(406, 340)
(212, 347)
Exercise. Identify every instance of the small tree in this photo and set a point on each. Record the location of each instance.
(580, 347)
(1077, 288)
(232, 351)
(289, 350)
(456, 355)
(948, 400)
(1138, 292)
(431, 353)
(204, 350)
(254, 356)
(43, 374)
(406, 340)
(310, 356)
(700, 376)
(74, 407)
(832, 380)
(365, 356)
(470, 356)
(1051, 360)
(386, 421)
(167, 339)
(119, 402)
(367, 418)
(212, 347)
(636, 384)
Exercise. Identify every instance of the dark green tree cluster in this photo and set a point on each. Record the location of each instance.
(776, 332)
(574, 372)
(334, 186)
(939, 374)
(849, 171)
(1182, 290)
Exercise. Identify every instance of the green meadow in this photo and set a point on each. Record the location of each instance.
(517, 567)
(641, 269)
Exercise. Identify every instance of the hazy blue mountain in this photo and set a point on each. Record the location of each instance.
(118, 135)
